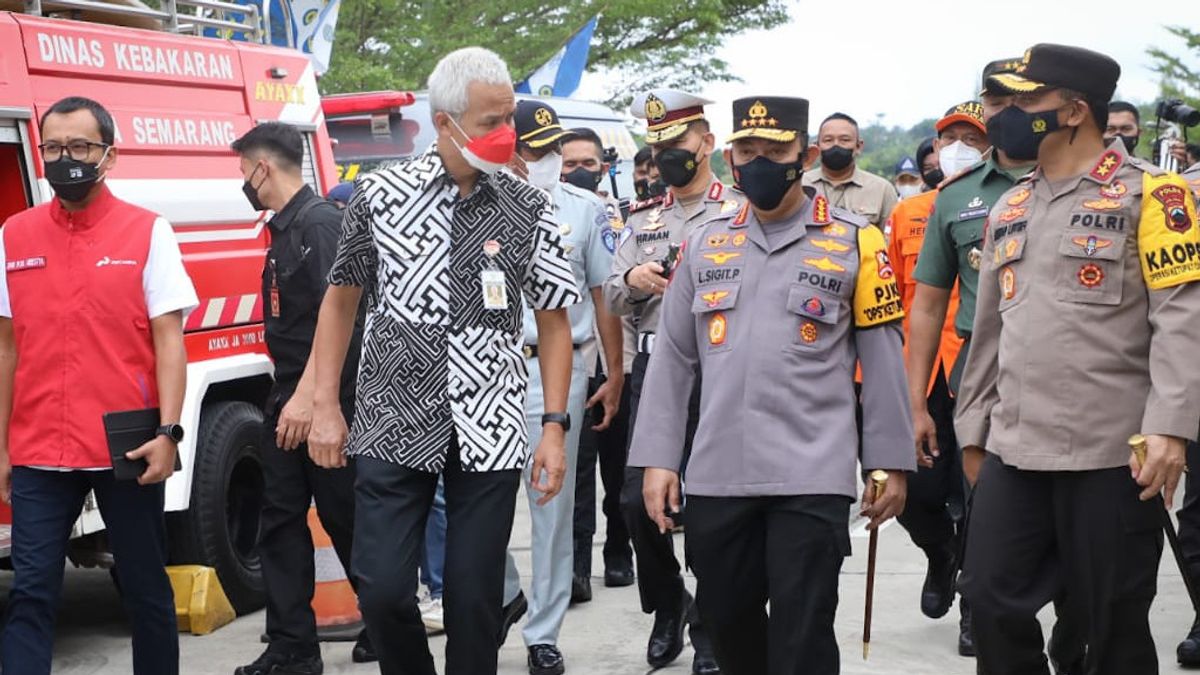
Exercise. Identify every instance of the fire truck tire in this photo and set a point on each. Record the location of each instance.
(220, 528)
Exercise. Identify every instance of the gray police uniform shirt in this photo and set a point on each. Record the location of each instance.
(776, 317)
(653, 228)
(582, 226)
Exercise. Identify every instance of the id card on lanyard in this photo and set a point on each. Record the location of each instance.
(491, 279)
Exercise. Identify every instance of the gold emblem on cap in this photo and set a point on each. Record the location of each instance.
(758, 116)
(1024, 61)
(543, 117)
(655, 108)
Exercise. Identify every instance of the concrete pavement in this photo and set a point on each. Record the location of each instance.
(606, 636)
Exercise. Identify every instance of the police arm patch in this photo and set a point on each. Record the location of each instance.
(876, 296)
(1168, 234)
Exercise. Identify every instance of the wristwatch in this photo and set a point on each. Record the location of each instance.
(557, 418)
(171, 431)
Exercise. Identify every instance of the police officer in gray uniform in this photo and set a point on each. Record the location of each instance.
(681, 143)
(772, 307)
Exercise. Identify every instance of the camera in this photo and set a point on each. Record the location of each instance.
(610, 155)
(1175, 110)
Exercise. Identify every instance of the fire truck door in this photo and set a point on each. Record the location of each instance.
(16, 192)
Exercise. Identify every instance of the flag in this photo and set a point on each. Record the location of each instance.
(560, 75)
(307, 25)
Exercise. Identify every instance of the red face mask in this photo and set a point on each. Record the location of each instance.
(490, 152)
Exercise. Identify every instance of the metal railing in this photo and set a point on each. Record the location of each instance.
(223, 16)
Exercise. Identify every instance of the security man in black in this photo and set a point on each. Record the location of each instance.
(304, 236)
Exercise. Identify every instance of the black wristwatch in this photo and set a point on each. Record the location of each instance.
(171, 431)
(557, 418)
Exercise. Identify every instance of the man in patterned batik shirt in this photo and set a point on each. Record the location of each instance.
(445, 245)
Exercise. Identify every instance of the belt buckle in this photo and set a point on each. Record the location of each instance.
(528, 351)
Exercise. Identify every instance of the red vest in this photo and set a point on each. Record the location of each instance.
(80, 323)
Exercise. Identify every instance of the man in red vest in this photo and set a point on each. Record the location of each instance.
(92, 298)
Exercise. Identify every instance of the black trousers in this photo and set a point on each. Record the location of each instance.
(389, 532)
(291, 483)
(1189, 513)
(1035, 535)
(609, 447)
(658, 572)
(788, 551)
(935, 494)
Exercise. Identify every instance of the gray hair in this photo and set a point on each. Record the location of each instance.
(450, 78)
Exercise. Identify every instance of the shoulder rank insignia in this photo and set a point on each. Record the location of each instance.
(1108, 164)
(830, 246)
(645, 204)
(722, 257)
(1090, 244)
(714, 192)
(824, 264)
(740, 219)
(820, 214)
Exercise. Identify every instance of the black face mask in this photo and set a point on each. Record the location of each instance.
(582, 178)
(677, 166)
(837, 158)
(933, 178)
(72, 179)
(766, 182)
(1129, 141)
(649, 190)
(251, 192)
(1019, 134)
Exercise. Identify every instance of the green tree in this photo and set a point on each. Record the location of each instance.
(394, 44)
(884, 147)
(1180, 74)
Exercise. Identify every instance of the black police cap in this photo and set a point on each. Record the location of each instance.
(775, 118)
(1061, 66)
(537, 124)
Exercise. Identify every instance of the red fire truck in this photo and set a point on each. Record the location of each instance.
(178, 101)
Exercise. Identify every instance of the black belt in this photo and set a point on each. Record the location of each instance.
(531, 351)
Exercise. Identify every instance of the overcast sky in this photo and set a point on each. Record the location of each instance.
(913, 59)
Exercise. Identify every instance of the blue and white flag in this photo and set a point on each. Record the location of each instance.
(560, 75)
(307, 25)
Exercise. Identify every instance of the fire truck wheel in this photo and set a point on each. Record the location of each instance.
(220, 528)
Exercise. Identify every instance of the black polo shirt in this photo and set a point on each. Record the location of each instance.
(304, 239)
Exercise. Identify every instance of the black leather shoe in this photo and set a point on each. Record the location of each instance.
(704, 662)
(364, 651)
(937, 595)
(546, 660)
(581, 590)
(1188, 651)
(666, 638)
(511, 614)
(966, 641)
(618, 577)
(283, 663)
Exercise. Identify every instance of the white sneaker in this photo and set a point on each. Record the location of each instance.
(431, 616)
(424, 602)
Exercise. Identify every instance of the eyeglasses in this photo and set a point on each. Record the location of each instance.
(76, 150)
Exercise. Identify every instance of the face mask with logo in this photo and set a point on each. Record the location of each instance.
(251, 192)
(957, 157)
(1019, 134)
(582, 178)
(677, 166)
(72, 179)
(766, 182)
(933, 178)
(836, 158)
(908, 190)
(489, 152)
(544, 173)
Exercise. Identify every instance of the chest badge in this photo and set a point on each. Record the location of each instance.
(654, 220)
(717, 240)
(975, 203)
(714, 298)
(808, 332)
(975, 257)
(1019, 198)
(1114, 190)
(564, 229)
(1091, 244)
(1090, 275)
(834, 230)
(717, 329)
(1102, 204)
(739, 239)
(1012, 214)
(814, 306)
(722, 258)
(830, 246)
(1010, 248)
(824, 264)
(1008, 283)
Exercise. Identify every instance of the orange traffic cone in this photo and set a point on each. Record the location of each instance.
(334, 601)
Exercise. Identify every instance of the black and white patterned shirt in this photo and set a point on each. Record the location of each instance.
(434, 359)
